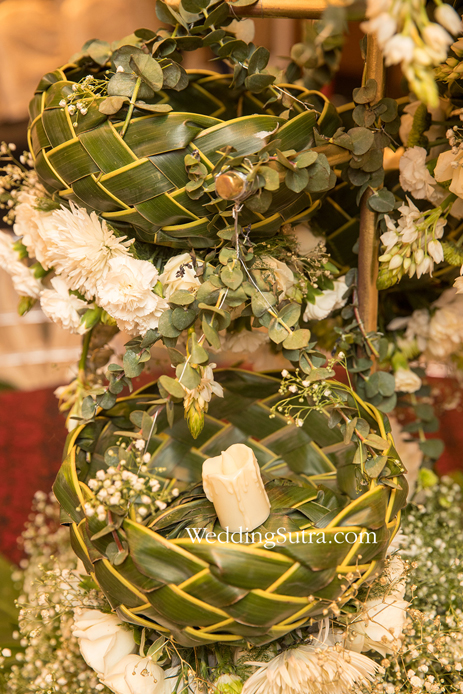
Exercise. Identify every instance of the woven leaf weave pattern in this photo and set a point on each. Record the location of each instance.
(200, 592)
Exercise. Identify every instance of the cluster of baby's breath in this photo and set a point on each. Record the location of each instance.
(82, 96)
(431, 656)
(433, 540)
(304, 395)
(15, 176)
(48, 658)
(129, 481)
(430, 659)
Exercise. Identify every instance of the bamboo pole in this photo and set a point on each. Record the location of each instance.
(368, 241)
(295, 9)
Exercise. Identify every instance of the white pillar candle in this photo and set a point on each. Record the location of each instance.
(232, 481)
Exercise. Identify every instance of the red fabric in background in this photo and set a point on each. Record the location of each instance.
(32, 436)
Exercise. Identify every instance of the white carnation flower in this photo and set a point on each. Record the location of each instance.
(103, 641)
(126, 293)
(379, 626)
(329, 301)
(24, 281)
(63, 308)
(83, 247)
(29, 224)
(406, 381)
(414, 176)
(135, 675)
(179, 273)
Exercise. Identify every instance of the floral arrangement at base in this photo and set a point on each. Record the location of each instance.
(238, 532)
(68, 635)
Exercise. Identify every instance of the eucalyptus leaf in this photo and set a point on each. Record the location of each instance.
(148, 69)
(172, 386)
(188, 376)
(132, 366)
(258, 60)
(231, 276)
(297, 340)
(382, 201)
(112, 104)
(374, 466)
(106, 400)
(297, 180)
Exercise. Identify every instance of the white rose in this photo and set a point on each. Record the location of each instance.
(406, 381)
(414, 176)
(179, 273)
(63, 308)
(329, 301)
(135, 675)
(379, 626)
(281, 273)
(102, 639)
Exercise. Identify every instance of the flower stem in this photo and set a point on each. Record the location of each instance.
(84, 355)
(131, 107)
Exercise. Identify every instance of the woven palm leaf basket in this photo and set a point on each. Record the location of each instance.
(201, 592)
(130, 168)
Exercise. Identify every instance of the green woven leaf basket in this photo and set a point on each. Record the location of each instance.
(137, 181)
(205, 592)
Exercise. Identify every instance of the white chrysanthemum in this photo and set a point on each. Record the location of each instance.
(63, 308)
(329, 301)
(126, 293)
(414, 176)
(203, 393)
(83, 247)
(24, 281)
(244, 341)
(179, 273)
(322, 666)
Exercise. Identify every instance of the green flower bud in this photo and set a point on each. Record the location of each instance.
(427, 478)
(91, 317)
(228, 684)
(195, 418)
